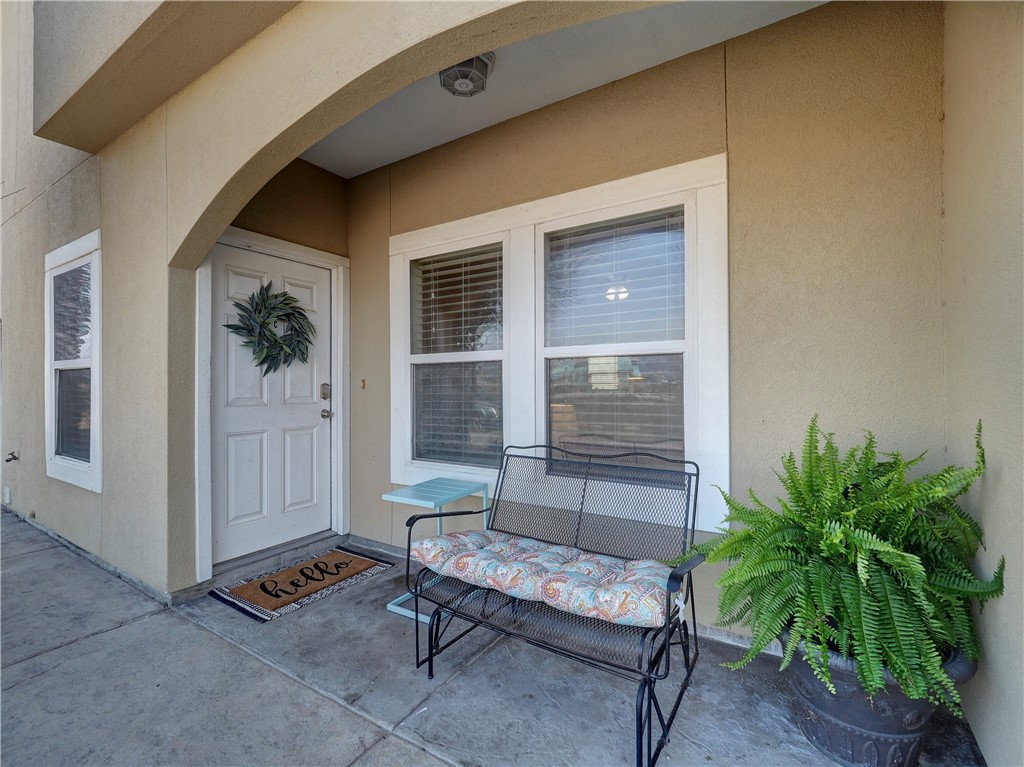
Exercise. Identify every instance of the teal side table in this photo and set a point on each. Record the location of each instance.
(433, 494)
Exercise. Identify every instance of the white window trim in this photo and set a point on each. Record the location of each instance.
(686, 199)
(411, 470)
(701, 187)
(84, 250)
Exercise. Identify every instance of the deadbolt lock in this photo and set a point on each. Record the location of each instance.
(325, 391)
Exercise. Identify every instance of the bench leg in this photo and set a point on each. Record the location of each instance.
(648, 706)
(643, 721)
(433, 640)
(433, 634)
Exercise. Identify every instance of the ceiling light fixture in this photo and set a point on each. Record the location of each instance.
(470, 77)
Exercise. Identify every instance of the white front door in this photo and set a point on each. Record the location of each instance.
(270, 435)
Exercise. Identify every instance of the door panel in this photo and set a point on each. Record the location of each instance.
(247, 476)
(302, 384)
(270, 447)
(299, 468)
(245, 385)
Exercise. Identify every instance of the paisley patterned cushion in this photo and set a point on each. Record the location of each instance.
(580, 582)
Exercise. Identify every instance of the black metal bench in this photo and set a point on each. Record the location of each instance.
(632, 506)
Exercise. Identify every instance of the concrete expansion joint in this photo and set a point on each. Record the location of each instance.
(347, 705)
(34, 551)
(36, 675)
(84, 637)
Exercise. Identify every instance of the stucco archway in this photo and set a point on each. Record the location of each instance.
(300, 80)
(231, 131)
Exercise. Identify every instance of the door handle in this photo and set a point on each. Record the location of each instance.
(326, 414)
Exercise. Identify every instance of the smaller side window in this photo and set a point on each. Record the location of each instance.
(456, 353)
(72, 386)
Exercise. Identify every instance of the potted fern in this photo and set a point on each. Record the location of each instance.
(865, 574)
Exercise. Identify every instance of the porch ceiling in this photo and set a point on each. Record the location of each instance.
(537, 72)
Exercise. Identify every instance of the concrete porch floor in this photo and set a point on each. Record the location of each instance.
(95, 672)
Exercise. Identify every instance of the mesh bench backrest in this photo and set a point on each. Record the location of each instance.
(630, 505)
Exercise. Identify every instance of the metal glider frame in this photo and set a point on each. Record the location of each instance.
(654, 656)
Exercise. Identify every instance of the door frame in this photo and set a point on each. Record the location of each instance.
(339, 268)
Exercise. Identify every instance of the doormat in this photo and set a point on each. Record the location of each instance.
(279, 592)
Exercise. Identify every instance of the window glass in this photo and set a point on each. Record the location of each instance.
(617, 404)
(456, 302)
(615, 282)
(74, 394)
(71, 313)
(457, 413)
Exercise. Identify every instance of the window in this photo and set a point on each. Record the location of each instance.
(72, 393)
(456, 340)
(617, 285)
(595, 320)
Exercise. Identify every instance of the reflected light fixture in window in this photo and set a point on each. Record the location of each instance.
(617, 293)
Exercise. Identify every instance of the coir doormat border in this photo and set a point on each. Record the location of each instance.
(263, 614)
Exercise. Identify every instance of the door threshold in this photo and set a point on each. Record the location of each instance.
(267, 560)
(280, 550)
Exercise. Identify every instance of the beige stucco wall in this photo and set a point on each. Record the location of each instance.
(303, 204)
(73, 40)
(983, 293)
(163, 191)
(835, 226)
(50, 197)
(835, 204)
(136, 285)
(101, 67)
(667, 115)
(30, 165)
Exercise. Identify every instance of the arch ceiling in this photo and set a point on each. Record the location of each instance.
(532, 73)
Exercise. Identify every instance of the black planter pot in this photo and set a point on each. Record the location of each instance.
(857, 731)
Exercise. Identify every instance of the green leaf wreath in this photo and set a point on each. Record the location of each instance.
(860, 560)
(258, 320)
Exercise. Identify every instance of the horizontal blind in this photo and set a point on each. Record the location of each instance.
(617, 404)
(456, 302)
(74, 423)
(616, 282)
(457, 413)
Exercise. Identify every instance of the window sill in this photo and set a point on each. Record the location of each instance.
(83, 475)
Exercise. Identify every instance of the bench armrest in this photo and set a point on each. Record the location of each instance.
(411, 522)
(675, 579)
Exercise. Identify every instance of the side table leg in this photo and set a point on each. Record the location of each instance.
(395, 607)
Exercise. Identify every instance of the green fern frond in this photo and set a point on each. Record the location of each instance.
(859, 559)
